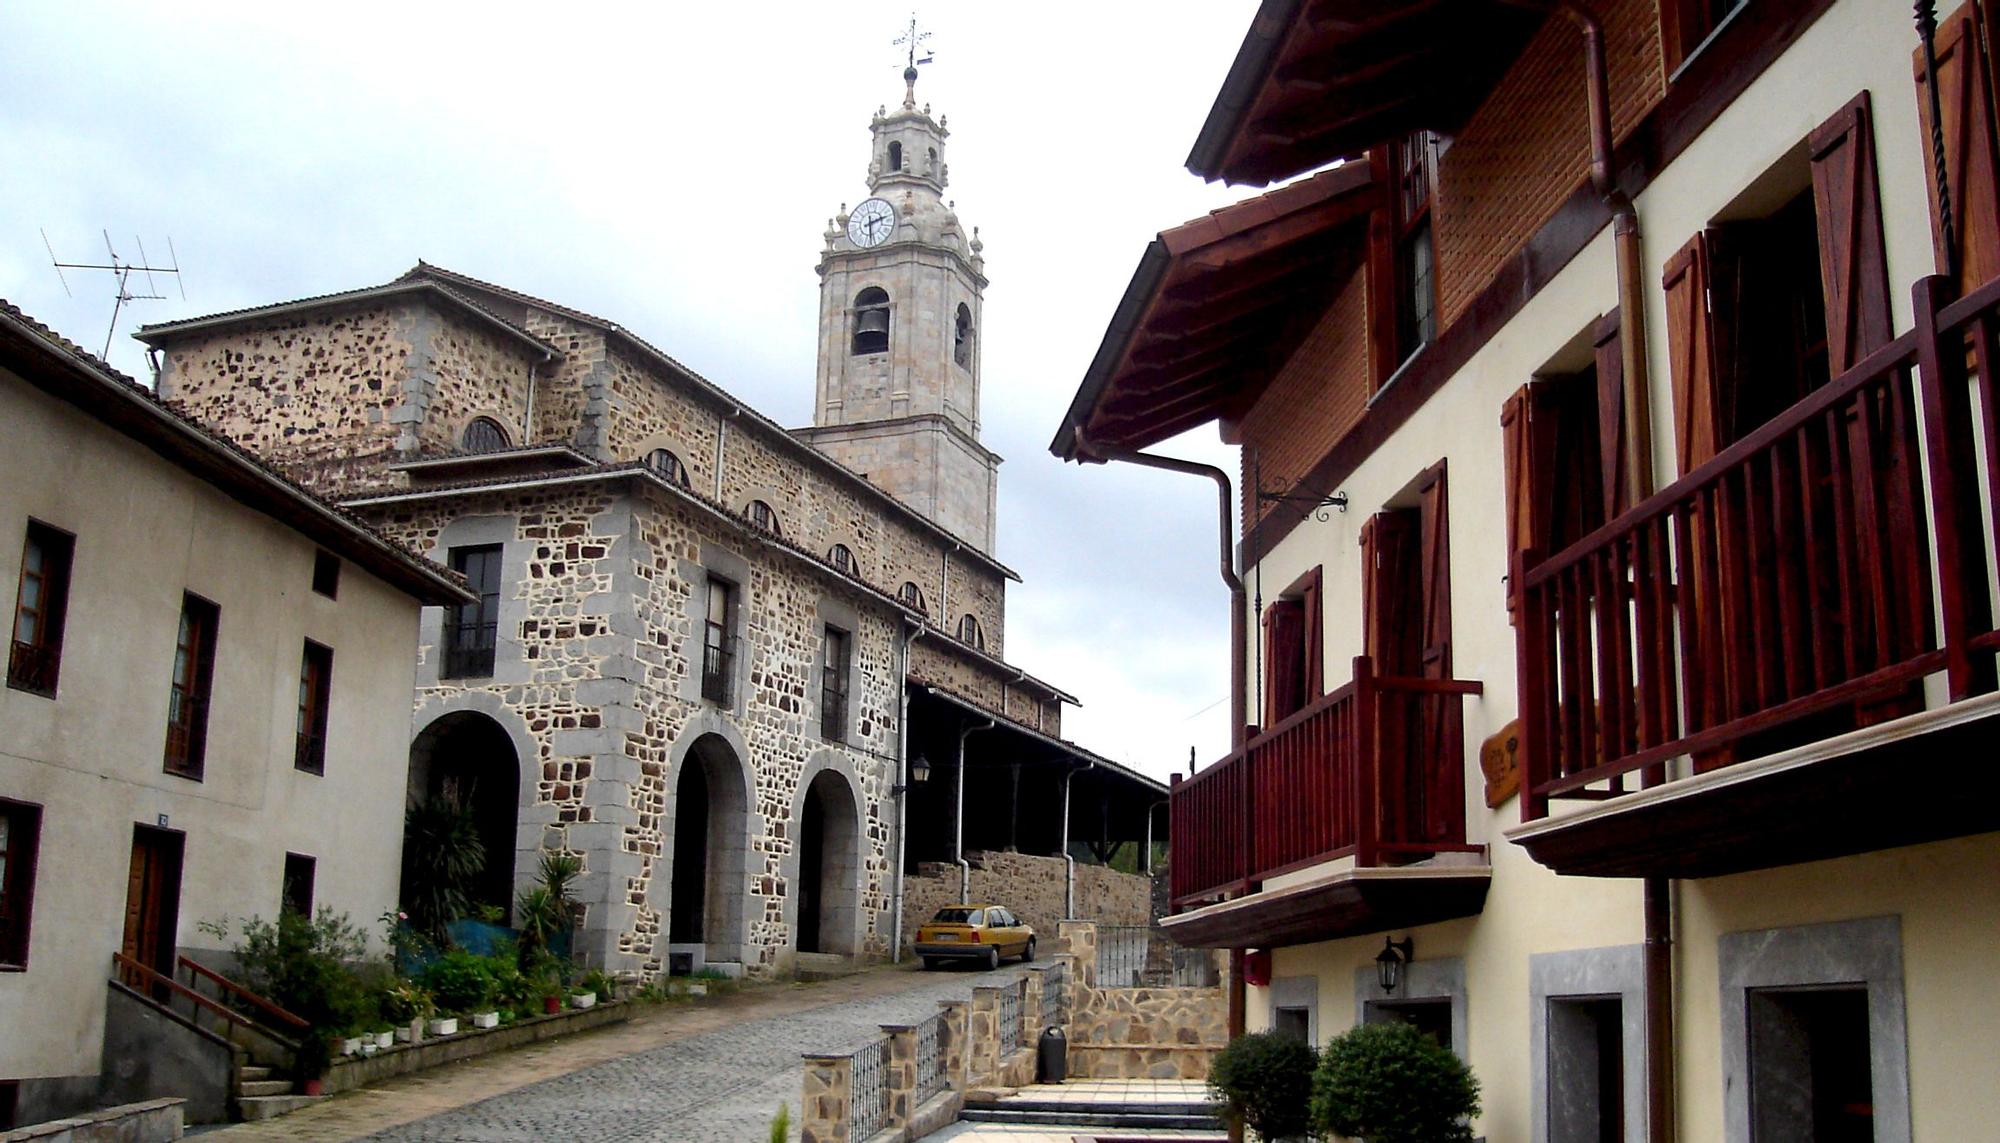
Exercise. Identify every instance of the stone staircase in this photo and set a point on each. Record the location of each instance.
(811, 967)
(1057, 1108)
(260, 1094)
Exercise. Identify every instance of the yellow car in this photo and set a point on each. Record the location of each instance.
(974, 932)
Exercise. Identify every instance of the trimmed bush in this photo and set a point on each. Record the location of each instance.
(461, 981)
(1391, 1083)
(1265, 1080)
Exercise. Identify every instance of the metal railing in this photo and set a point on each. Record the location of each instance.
(32, 667)
(468, 649)
(1010, 1016)
(832, 714)
(930, 1058)
(1135, 956)
(1055, 996)
(717, 661)
(868, 1091)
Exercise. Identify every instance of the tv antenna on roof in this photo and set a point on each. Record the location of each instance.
(122, 271)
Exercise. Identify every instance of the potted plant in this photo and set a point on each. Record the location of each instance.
(551, 1002)
(407, 1004)
(461, 982)
(441, 1025)
(442, 855)
(598, 985)
(1264, 1081)
(1391, 1083)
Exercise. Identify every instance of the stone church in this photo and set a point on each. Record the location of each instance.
(698, 634)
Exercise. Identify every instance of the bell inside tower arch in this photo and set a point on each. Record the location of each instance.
(871, 321)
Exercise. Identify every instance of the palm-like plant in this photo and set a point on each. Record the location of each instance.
(442, 856)
(547, 910)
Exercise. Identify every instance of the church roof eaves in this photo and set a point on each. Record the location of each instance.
(163, 332)
(71, 374)
(714, 392)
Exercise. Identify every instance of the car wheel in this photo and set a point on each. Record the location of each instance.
(1028, 951)
(992, 958)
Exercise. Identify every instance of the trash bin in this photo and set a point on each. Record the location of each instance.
(1051, 1056)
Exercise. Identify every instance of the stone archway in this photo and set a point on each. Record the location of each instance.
(469, 753)
(826, 878)
(711, 842)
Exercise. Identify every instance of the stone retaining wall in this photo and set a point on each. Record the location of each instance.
(351, 1072)
(1032, 887)
(1138, 1033)
(146, 1122)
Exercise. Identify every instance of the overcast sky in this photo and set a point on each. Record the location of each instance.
(672, 167)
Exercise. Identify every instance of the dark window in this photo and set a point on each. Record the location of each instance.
(933, 168)
(484, 434)
(20, 838)
(969, 632)
(718, 647)
(910, 595)
(40, 605)
(470, 629)
(1684, 24)
(298, 888)
(315, 693)
(668, 466)
(833, 663)
(1809, 1069)
(326, 575)
(194, 674)
(1416, 278)
(10, 1098)
(1586, 1097)
(842, 558)
(895, 156)
(871, 321)
(1293, 1023)
(1431, 1017)
(763, 517)
(961, 338)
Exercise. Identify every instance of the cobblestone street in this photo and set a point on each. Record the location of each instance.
(711, 1073)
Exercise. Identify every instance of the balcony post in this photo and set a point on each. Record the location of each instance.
(1247, 791)
(1962, 601)
(1367, 813)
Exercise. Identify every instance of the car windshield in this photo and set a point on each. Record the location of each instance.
(960, 915)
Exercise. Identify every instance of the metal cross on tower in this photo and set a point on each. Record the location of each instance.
(912, 41)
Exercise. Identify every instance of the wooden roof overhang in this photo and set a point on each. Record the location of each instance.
(1349, 903)
(1319, 80)
(1898, 783)
(1216, 307)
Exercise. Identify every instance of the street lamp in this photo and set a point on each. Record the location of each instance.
(920, 771)
(1390, 961)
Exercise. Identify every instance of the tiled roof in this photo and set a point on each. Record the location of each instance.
(162, 332)
(80, 378)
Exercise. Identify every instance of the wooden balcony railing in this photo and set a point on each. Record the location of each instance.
(1783, 590)
(1321, 785)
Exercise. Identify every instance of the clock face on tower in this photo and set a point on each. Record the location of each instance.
(871, 222)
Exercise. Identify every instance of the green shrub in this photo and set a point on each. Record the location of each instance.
(461, 981)
(1265, 1079)
(781, 1125)
(442, 856)
(1391, 1083)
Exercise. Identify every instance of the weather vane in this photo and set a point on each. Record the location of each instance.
(913, 41)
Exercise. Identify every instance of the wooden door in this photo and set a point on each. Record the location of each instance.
(153, 898)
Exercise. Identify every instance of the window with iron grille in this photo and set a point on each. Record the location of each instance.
(484, 434)
(970, 633)
(297, 892)
(1415, 161)
(910, 595)
(718, 647)
(41, 603)
(764, 517)
(668, 466)
(188, 698)
(20, 838)
(470, 629)
(842, 558)
(315, 693)
(835, 653)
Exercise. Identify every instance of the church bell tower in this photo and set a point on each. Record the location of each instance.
(901, 285)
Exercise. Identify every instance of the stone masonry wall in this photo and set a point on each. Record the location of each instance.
(1032, 887)
(1138, 1033)
(935, 661)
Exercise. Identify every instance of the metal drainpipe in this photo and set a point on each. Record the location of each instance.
(1069, 863)
(528, 406)
(958, 819)
(1147, 857)
(1088, 452)
(910, 636)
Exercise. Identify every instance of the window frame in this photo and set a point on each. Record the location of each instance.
(763, 517)
(295, 863)
(326, 574)
(718, 641)
(842, 558)
(191, 686)
(675, 472)
(315, 699)
(35, 665)
(970, 632)
(1415, 326)
(456, 661)
(836, 664)
(19, 855)
(466, 443)
(912, 596)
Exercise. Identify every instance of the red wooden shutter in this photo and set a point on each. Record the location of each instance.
(1438, 765)
(1315, 635)
(1518, 460)
(1369, 604)
(1854, 271)
(1284, 660)
(1966, 96)
(1691, 355)
(1611, 451)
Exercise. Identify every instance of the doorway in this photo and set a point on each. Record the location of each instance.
(469, 758)
(153, 898)
(711, 834)
(829, 870)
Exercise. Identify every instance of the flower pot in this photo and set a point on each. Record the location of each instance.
(369, 1047)
(442, 1026)
(385, 1039)
(351, 1045)
(410, 1033)
(551, 1005)
(485, 1019)
(582, 999)
(314, 1086)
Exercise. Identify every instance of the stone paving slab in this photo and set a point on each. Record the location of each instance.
(715, 1071)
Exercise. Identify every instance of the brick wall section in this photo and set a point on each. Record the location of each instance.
(1319, 394)
(1528, 145)
(1032, 887)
